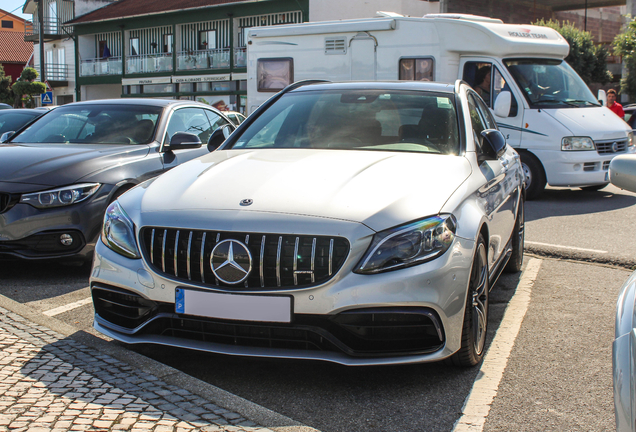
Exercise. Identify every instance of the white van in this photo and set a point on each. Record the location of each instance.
(564, 136)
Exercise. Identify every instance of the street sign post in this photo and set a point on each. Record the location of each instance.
(47, 98)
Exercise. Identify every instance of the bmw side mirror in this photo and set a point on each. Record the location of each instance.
(219, 136)
(622, 172)
(5, 136)
(494, 143)
(184, 140)
(503, 104)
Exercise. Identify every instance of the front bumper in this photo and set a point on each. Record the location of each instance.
(30, 233)
(411, 315)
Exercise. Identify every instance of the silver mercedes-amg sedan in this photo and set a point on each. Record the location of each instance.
(358, 223)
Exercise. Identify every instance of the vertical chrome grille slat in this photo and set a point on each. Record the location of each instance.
(176, 253)
(218, 237)
(330, 256)
(262, 265)
(188, 259)
(152, 247)
(201, 260)
(280, 245)
(163, 251)
(247, 241)
(313, 260)
(296, 261)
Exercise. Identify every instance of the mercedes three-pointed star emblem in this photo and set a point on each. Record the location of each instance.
(231, 261)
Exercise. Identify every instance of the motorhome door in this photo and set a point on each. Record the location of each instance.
(362, 49)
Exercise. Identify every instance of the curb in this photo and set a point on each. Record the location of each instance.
(250, 410)
(581, 256)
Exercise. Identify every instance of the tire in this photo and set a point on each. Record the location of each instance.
(476, 314)
(518, 235)
(594, 188)
(534, 176)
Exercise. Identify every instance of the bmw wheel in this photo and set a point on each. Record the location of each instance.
(476, 314)
(518, 235)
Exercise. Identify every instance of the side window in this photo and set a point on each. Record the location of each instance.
(216, 121)
(479, 76)
(416, 69)
(500, 85)
(476, 120)
(488, 119)
(191, 120)
(274, 74)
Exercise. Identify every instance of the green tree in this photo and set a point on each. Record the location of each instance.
(6, 95)
(587, 59)
(25, 87)
(625, 46)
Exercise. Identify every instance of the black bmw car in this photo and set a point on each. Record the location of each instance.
(58, 175)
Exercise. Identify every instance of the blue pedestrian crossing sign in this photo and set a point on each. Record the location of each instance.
(47, 98)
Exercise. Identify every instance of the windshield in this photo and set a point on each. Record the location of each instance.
(12, 120)
(94, 124)
(550, 83)
(412, 121)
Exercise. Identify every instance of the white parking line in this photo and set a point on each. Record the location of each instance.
(478, 403)
(566, 247)
(68, 307)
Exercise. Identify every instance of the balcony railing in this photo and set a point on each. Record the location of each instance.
(100, 66)
(52, 26)
(149, 63)
(240, 57)
(203, 59)
(54, 71)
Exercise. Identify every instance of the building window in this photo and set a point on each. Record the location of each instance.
(167, 43)
(207, 40)
(134, 46)
(186, 87)
(7, 24)
(158, 88)
(416, 69)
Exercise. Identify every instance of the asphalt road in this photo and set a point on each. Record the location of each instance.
(558, 375)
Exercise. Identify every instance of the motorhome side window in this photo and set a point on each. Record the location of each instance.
(416, 69)
(274, 74)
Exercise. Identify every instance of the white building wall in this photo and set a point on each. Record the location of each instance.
(326, 10)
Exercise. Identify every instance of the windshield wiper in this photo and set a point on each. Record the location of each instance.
(576, 102)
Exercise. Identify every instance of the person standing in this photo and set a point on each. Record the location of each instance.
(613, 105)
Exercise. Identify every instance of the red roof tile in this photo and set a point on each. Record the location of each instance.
(129, 8)
(13, 48)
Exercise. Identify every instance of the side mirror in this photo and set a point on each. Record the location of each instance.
(219, 136)
(503, 104)
(5, 136)
(495, 143)
(602, 97)
(184, 140)
(622, 172)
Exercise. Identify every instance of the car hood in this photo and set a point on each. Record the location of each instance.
(60, 164)
(599, 123)
(378, 189)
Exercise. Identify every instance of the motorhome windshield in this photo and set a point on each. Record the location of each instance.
(410, 121)
(550, 83)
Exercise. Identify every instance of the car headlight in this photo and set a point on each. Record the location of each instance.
(630, 139)
(577, 144)
(60, 197)
(118, 232)
(409, 245)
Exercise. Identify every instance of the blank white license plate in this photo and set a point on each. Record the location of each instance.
(233, 306)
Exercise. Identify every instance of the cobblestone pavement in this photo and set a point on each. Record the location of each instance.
(52, 383)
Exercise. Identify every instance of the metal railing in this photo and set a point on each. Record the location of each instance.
(100, 66)
(240, 57)
(54, 71)
(203, 59)
(149, 63)
(52, 26)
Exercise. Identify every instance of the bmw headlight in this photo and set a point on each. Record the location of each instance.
(60, 197)
(630, 140)
(577, 144)
(118, 232)
(408, 245)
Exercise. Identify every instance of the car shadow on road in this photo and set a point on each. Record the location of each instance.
(26, 281)
(334, 398)
(571, 202)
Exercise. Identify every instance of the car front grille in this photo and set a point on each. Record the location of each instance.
(279, 261)
(611, 146)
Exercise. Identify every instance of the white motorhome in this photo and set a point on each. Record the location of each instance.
(564, 136)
